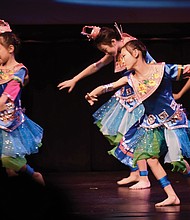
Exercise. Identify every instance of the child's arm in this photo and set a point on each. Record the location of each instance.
(93, 95)
(185, 88)
(93, 68)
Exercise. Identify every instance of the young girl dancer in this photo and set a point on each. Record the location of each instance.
(19, 135)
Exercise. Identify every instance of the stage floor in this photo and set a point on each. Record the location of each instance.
(95, 195)
(89, 196)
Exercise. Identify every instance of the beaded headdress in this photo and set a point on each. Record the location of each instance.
(94, 31)
(4, 27)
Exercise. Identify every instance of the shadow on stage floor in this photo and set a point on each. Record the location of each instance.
(90, 195)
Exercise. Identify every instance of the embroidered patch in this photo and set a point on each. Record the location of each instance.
(151, 119)
(128, 91)
(163, 115)
(173, 104)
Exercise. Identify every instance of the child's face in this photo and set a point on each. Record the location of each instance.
(110, 49)
(4, 52)
(127, 58)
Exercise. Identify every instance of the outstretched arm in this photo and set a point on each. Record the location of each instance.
(185, 88)
(70, 84)
(93, 95)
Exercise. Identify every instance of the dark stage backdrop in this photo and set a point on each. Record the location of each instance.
(94, 11)
(54, 53)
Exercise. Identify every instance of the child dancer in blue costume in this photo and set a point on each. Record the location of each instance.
(19, 136)
(112, 123)
(164, 123)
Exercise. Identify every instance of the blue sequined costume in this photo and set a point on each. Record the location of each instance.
(164, 127)
(19, 135)
(120, 112)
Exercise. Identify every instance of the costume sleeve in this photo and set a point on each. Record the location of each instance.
(21, 75)
(13, 87)
(177, 72)
(149, 58)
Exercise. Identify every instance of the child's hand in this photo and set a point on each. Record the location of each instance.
(70, 84)
(91, 98)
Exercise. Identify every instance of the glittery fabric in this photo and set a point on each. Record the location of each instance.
(114, 118)
(24, 140)
(19, 135)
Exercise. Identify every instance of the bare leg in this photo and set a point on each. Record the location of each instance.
(161, 176)
(36, 176)
(133, 177)
(140, 176)
(143, 182)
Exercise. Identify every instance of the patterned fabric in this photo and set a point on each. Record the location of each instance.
(19, 135)
(120, 114)
(163, 129)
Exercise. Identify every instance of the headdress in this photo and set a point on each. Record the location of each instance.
(120, 30)
(4, 27)
(127, 37)
(93, 34)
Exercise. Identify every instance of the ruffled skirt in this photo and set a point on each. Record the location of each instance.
(114, 120)
(24, 140)
(132, 142)
(152, 143)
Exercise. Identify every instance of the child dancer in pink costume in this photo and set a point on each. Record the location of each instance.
(19, 136)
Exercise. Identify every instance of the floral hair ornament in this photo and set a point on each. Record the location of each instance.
(94, 31)
(4, 27)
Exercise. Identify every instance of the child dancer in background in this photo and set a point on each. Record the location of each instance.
(112, 122)
(19, 135)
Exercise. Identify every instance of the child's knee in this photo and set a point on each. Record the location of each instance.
(152, 162)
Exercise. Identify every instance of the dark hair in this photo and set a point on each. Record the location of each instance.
(136, 44)
(9, 38)
(106, 35)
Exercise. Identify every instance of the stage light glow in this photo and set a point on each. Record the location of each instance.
(130, 3)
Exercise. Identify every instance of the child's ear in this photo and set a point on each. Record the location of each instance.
(113, 41)
(11, 48)
(135, 53)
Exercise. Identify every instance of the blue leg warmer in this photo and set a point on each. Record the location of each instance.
(164, 182)
(29, 170)
(133, 169)
(144, 173)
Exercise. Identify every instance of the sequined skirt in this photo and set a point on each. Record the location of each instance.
(24, 140)
(140, 143)
(114, 120)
